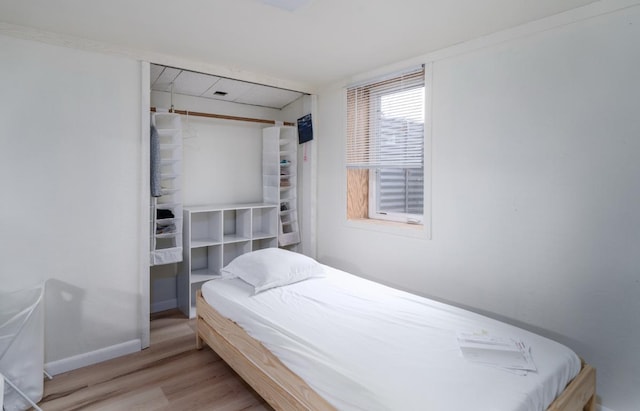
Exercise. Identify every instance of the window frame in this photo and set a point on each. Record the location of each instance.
(369, 193)
(374, 173)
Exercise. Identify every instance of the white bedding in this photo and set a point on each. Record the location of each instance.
(365, 346)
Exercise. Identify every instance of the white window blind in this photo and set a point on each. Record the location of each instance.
(385, 122)
(400, 190)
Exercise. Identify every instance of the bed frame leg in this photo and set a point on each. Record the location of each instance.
(200, 342)
(591, 404)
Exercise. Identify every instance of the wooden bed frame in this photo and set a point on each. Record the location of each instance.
(284, 390)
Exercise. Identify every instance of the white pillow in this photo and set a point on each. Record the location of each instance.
(272, 267)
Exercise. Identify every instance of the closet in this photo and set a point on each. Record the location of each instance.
(215, 131)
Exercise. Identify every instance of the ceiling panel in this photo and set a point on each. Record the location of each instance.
(269, 96)
(205, 85)
(155, 72)
(193, 84)
(233, 88)
(164, 80)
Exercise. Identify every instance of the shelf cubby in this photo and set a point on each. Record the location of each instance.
(237, 225)
(206, 228)
(262, 222)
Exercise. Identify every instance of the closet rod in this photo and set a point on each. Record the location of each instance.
(225, 117)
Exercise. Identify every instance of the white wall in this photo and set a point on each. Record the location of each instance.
(70, 213)
(222, 158)
(535, 191)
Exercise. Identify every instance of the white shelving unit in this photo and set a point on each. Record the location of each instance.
(280, 181)
(166, 210)
(216, 234)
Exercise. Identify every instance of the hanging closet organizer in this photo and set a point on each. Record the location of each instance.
(166, 209)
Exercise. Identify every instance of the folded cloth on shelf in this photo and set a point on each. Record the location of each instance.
(166, 229)
(162, 213)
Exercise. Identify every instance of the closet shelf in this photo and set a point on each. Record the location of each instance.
(261, 235)
(204, 242)
(200, 276)
(162, 206)
(166, 255)
(167, 235)
(167, 221)
(168, 132)
(232, 238)
(169, 161)
(170, 146)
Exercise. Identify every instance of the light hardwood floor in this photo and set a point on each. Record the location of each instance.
(169, 375)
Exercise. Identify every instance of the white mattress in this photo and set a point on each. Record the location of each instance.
(365, 346)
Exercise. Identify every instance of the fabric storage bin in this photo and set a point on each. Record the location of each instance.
(1, 391)
(22, 347)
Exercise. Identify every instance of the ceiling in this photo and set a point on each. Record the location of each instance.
(169, 79)
(319, 43)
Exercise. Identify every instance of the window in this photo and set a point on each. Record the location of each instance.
(385, 148)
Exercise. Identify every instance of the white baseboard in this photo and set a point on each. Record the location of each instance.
(93, 357)
(601, 408)
(164, 305)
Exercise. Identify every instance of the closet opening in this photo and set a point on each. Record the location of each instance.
(210, 137)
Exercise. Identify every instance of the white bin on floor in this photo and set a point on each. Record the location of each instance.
(1, 392)
(22, 347)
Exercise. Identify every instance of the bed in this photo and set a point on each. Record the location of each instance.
(310, 337)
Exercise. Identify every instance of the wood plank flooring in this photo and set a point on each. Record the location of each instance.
(169, 375)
